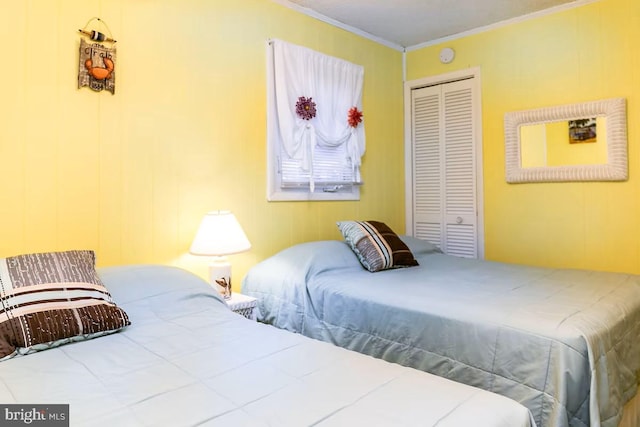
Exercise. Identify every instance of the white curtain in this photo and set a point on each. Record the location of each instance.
(334, 85)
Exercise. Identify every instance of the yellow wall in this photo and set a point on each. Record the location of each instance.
(582, 54)
(130, 175)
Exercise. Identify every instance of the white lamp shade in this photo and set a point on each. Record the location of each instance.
(219, 234)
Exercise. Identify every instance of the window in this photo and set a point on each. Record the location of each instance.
(315, 132)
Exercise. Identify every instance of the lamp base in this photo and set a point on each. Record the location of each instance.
(220, 276)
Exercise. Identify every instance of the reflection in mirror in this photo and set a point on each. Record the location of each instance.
(579, 142)
(533, 146)
(566, 143)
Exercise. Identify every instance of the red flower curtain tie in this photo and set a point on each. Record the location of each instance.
(354, 117)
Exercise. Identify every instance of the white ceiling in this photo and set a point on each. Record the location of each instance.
(409, 23)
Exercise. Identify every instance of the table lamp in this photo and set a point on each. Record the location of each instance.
(219, 235)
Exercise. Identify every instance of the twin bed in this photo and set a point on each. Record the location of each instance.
(564, 343)
(181, 357)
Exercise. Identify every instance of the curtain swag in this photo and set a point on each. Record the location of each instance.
(318, 102)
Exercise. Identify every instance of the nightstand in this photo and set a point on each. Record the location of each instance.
(244, 305)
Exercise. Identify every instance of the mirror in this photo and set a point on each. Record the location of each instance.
(578, 142)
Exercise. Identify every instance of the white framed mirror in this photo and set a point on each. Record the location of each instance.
(577, 142)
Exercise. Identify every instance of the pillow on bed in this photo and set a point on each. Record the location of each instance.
(50, 299)
(376, 245)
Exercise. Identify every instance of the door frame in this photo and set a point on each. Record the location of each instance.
(474, 73)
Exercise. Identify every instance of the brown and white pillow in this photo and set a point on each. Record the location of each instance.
(53, 298)
(376, 245)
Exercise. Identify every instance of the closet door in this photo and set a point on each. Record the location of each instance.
(444, 167)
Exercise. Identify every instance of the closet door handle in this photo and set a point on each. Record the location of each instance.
(459, 220)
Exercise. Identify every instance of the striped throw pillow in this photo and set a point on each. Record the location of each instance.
(50, 299)
(376, 245)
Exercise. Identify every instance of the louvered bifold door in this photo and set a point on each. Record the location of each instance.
(459, 175)
(444, 184)
(427, 165)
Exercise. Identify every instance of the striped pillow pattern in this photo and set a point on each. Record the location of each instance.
(49, 299)
(376, 245)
